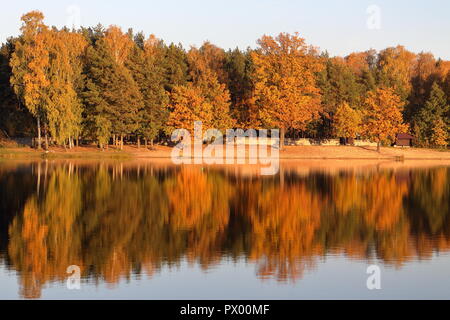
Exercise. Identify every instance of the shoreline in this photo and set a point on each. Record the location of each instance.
(289, 153)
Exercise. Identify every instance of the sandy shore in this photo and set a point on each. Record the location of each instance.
(289, 153)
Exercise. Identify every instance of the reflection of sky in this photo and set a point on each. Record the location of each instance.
(338, 26)
(334, 278)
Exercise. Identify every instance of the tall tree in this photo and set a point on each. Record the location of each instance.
(435, 109)
(15, 119)
(111, 95)
(383, 116)
(175, 66)
(63, 103)
(285, 83)
(338, 85)
(396, 67)
(205, 78)
(118, 43)
(29, 64)
(145, 64)
(239, 68)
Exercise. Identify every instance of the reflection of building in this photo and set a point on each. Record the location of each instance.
(404, 140)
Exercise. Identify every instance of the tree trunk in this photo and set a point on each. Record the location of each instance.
(138, 142)
(282, 138)
(39, 141)
(46, 140)
(145, 141)
(121, 142)
(378, 147)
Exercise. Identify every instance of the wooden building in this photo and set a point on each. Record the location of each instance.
(404, 140)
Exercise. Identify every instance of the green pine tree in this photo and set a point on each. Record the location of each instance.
(435, 108)
(112, 97)
(148, 73)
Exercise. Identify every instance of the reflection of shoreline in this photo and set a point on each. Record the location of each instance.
(116, 219)
(301, 166)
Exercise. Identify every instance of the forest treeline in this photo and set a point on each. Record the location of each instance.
(166, 215)
(103, 85)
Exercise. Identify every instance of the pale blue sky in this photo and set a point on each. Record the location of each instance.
(338, 26)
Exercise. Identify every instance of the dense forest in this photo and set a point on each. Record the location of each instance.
(102, 85)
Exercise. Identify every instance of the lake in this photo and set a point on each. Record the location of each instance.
(151, 230)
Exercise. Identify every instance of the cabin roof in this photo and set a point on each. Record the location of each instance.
(404, 136)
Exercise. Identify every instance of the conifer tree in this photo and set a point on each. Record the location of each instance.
(112, 97)
(145, 64)
(435, 109)
(175, 66)
(15, 119)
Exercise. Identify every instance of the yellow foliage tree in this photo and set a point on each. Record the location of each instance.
(347, 121)
(29, 63)
(120, 44)
(440, 135)
(383, 118)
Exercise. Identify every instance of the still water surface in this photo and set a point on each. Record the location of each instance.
(156, 231)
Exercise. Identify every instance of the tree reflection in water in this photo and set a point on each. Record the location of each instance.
(119, 220)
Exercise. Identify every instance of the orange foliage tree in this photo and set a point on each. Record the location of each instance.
(285, 83)
(382, 116)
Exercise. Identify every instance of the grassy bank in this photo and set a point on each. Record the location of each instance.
(80, 153)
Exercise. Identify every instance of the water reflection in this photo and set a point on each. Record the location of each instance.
(118, 220)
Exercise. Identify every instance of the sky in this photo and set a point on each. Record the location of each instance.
(338, 26)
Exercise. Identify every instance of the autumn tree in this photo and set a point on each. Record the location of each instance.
(207, 58)
(440, 135)
(206, 70)
(285, 83)
(358, 62)
(187, 105)
(396, 67)
(383, 119)
(64, 108)
(347, 121)
(118, 43)
(29, 63)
